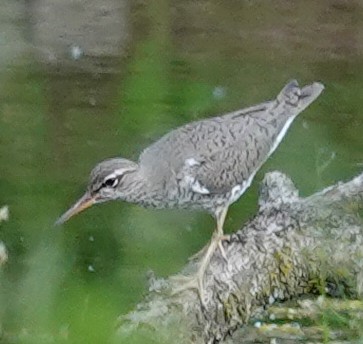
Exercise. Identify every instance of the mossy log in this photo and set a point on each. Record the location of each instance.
(293, 246)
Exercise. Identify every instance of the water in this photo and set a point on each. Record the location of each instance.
(109, 83)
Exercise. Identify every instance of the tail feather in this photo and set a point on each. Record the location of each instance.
(299, 98)
(310, 93)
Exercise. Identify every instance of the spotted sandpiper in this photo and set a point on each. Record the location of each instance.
(207, 164)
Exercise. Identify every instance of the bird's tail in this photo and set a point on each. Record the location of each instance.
(299, 98)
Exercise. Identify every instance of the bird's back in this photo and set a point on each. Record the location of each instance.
(230, 148)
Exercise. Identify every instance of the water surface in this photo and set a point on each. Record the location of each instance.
(78, 86)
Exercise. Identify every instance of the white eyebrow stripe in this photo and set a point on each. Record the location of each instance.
(120, 171)
(116, 173)
(110, 176)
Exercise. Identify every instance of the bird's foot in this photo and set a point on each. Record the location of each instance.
(199, 255)
(220, 239)
(196, 281)
(182, 283)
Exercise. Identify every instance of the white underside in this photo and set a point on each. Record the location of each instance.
(281, 135)
(238, 190)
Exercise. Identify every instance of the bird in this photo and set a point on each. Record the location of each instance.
(206, 164)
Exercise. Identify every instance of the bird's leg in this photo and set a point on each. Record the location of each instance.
(196, 281)
(219, 234)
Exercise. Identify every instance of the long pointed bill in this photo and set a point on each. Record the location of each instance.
(83, 203)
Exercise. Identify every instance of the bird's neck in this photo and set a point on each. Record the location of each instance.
(142, 191)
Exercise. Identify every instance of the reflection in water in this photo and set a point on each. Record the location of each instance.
(83, 81)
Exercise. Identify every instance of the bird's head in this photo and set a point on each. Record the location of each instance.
(106, 183)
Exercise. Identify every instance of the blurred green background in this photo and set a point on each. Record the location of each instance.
(81, 82)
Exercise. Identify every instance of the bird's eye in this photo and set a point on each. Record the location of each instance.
(111, 182)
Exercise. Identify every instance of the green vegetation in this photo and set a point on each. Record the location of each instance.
(70, 284)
